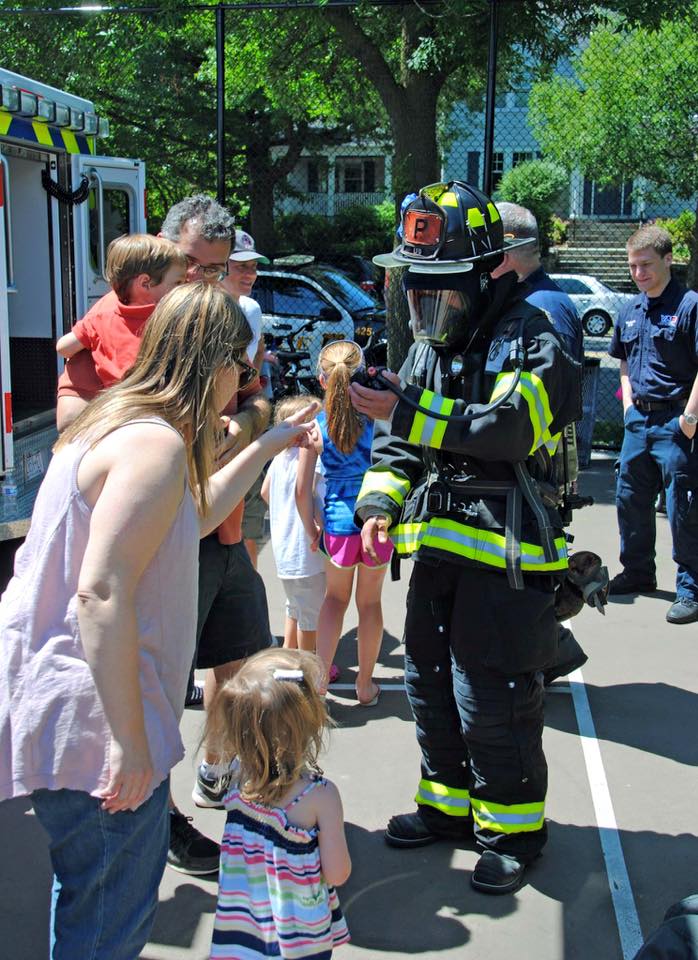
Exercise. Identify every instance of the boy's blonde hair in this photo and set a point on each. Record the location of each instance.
(274, 727)
(196, 331)
(289, 405)
(137, 253)
(337, 362)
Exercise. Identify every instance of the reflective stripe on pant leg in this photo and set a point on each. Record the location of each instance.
(503, 726)
(449, 800)
(429, 685)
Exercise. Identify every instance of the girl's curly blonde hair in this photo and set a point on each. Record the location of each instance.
(274, 727)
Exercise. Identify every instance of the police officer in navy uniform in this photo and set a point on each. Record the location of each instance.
(459, 461)
(656, 341)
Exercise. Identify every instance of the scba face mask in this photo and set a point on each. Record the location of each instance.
(444, 306)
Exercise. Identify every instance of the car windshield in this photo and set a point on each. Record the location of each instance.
(345, 291)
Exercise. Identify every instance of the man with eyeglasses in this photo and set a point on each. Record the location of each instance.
(232, 599)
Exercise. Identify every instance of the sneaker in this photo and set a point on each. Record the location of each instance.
(195, 696)
(624, 583)
(190, 851)
(683, 610)
(209, 791)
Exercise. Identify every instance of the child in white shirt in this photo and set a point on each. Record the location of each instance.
(299, 565)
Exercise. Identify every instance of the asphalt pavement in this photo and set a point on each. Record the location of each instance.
(622, 750)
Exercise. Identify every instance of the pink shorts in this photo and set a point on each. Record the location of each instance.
(344, 550)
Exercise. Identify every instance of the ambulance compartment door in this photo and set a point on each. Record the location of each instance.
(115, 206)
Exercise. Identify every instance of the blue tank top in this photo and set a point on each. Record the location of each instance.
(344, 473)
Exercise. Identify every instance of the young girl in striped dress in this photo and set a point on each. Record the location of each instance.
(284, 847)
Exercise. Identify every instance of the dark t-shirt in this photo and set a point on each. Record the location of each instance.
(658, 338)
(543, 292)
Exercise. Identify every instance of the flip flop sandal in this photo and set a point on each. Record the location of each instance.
(373, 701)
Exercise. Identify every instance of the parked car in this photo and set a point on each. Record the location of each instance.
(338, 308)
(596, 303)
(359, 269)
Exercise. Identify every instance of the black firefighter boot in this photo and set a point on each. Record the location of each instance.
(425, 826)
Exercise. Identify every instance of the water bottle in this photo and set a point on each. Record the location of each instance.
(9, 493)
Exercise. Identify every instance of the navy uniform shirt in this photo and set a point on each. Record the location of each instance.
(658, 337)
(544, 293)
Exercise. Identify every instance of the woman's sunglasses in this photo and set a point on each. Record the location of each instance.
(247, 373)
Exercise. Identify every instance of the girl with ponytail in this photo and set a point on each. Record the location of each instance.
(342, 440)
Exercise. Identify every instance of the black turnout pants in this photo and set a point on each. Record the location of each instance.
(474, 652)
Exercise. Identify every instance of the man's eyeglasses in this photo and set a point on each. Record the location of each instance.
(209, 271)
(247, 373)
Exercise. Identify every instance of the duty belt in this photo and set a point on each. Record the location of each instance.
(447, 496)
(652, 406)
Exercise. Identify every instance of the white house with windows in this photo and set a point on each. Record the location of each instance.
(349, 176)
(360, 174)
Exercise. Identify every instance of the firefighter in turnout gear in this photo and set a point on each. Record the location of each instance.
(463, 480)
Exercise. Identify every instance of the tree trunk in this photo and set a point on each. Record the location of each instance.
(692, 278)
(398, 320)
(261, 215)
(413, 122)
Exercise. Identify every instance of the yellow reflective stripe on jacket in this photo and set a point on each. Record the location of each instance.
(482, 546)
(532, 389)
(428, 431)
(508, 818)
(381, 480)
(450, 800)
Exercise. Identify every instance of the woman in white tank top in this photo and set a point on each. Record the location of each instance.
(98, 623)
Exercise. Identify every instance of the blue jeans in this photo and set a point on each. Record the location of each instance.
(656, 454)
(107, 869)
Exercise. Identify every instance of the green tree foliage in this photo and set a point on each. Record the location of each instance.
(420, 60)
(631, 108)
(359, 230)
(537, 185)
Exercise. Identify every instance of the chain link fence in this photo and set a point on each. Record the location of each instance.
(333, 114)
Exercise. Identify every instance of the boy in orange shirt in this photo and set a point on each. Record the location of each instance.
(141, 270)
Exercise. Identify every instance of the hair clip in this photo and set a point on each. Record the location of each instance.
(294, 676)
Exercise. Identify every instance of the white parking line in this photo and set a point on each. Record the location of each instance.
(622, 897)
(616, 870)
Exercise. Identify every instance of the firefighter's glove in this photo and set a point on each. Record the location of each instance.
(586, 582)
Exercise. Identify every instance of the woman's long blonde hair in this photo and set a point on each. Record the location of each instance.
(193, 333)
(337, 362)
(273, 726)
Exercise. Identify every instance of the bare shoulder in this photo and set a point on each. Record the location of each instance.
(146, 454)
(326, 798)
(155, 441)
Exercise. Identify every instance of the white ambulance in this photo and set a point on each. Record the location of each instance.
(60, 205)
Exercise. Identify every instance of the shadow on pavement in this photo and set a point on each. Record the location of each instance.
(635, 714)
(598, 481)
(405, 902)
(178, 918)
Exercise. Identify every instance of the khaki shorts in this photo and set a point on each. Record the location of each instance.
(254, 526)
(304, 596)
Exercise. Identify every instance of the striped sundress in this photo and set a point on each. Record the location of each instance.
(272, 898)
